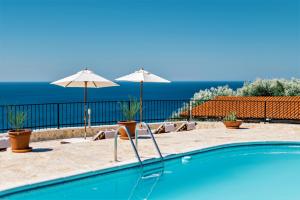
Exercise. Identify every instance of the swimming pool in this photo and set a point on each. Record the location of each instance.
(232, 172)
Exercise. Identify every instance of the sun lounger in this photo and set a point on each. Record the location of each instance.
(4, 143)
(106, 134)
(73, 140)
(186, 126)
(191, 126)
(165, 128)
(99, 136)
(142, 131)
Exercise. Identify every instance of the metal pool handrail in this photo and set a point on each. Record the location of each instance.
(153, 139)
(131, 142)
(134, 146)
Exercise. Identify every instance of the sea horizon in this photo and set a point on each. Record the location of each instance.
(44, 92)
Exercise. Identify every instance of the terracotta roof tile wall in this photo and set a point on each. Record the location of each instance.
(250, 107)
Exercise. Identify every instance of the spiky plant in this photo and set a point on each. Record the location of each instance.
(16, 120)
(130, 109)
(231, 117)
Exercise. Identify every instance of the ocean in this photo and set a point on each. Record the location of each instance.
(42, 92)
(50, 106)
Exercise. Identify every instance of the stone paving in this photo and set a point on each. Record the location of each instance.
(51, 160)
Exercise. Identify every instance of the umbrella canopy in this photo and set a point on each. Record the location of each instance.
(85, 79)
(142, 76)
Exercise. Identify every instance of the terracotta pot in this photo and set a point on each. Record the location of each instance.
(19, 140)
(233, 124)
(130, 125)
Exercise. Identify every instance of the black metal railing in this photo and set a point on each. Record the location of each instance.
(58, 115)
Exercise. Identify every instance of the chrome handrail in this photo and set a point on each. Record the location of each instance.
(153, 139)
(131, 142)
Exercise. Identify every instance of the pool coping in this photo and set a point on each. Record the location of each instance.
(47, 183)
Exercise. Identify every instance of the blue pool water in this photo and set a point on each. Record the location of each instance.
(245, 172)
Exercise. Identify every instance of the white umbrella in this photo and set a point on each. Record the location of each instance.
(85, 79)
(142, 76)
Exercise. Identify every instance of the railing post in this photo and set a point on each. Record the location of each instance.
(129, 105)
(189, 116)
(265, 111)
(58, 120)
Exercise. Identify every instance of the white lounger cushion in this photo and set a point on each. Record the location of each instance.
(169, 127)
(106, 134)
(142, 131)
(190, 126)
(109, 133)
(4, 142)
(73, 140)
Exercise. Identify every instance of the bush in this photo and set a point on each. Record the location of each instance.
(213, 92)
(260, 87)
(16, 120)
(292, 87)
(129, 110)
(231, 117)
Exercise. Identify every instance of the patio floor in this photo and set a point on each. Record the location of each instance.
(51, 160)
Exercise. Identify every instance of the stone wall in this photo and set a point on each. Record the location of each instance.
(73, 132)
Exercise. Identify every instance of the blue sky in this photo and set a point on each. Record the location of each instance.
(177, 39)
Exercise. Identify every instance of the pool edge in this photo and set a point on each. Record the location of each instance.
(46, 183)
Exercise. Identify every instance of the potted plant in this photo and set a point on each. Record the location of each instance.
(129, 111)
(18, 136)
(231, 121)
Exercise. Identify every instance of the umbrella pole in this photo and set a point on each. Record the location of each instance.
(141, 103)
(85, 97)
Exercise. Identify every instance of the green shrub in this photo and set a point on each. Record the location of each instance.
(16, 120)
(213, 92)
(231, 117)
(130, 109)
(263, 87)
(292, 87)
(260, 87)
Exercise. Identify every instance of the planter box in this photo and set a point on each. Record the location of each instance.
(233, 124)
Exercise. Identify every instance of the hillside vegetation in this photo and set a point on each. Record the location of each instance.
(260, 87)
